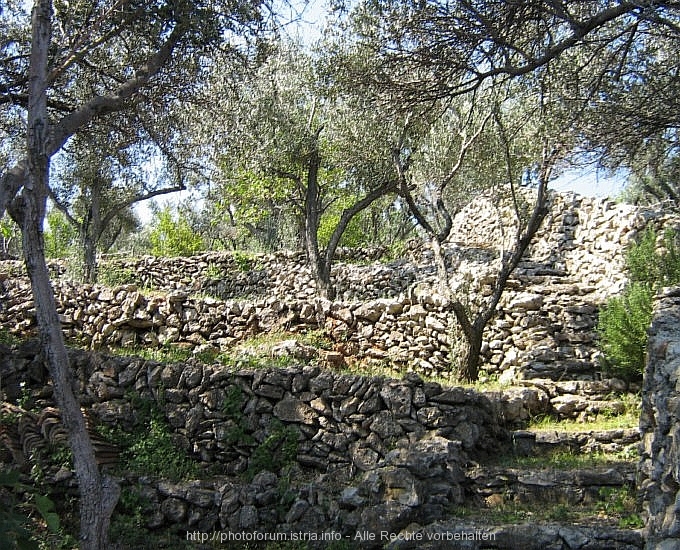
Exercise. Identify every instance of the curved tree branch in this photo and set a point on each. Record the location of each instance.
(12, 180)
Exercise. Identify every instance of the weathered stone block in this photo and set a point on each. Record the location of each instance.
(293, 410)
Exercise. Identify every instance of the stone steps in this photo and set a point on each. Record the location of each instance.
(536, 498)
(496, 486)
(537, 508)
(617, 442)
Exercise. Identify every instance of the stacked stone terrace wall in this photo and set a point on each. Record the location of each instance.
(659, 472)
(369, 452)
(582, 238)
(387, 312)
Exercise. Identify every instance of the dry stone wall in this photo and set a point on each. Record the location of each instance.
(369, 455)
(659, 471)
(387, 312)
(537, 334)
(355, 451)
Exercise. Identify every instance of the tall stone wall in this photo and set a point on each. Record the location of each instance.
(386, 312)
(582, 239)
(659, 471)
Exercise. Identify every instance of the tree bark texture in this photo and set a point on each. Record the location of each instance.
(98, 496)
(313, 208)
(91, 230)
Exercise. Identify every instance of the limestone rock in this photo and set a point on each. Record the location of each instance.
(293, 410)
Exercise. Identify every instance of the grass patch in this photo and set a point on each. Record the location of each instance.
(168, 353)
(600, 423)
(259, 350)
(613, 506)
(629, 417)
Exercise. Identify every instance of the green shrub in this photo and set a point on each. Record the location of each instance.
(149, 448)
(61, 238)
(17, 513)
(623, 330)
(244, 261)
(156, 453)
(114, 275)
(214, 272)
(624, 320)
(7, 338)
(646, 264)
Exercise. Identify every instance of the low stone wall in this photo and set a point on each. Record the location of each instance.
(659, 471)
(357, 274)
(541, 331)
(369, 455)
(321, 450)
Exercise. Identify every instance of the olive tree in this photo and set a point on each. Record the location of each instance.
(307, 143)
(96, 190)
(512, 103)
(140, 55)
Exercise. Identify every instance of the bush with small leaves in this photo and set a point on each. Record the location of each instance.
(622, 328)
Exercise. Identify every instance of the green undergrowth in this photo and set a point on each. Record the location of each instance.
(275, 453)
(629, 417)
(653, 262)
(7, 338)
(599, 423)
(615, 506)
(148, 448)
(29, 519)
(165, 354)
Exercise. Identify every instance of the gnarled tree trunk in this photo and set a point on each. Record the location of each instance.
(98, 496)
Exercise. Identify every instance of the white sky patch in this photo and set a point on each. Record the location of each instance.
(590, 182)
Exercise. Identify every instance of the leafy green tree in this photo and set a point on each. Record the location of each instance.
(305, 142)
(173, 235)
(96, 192)
(635, 117)
(433, 50)
(564, 58)
(61, 238)
(67, 68)
(10, 239)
